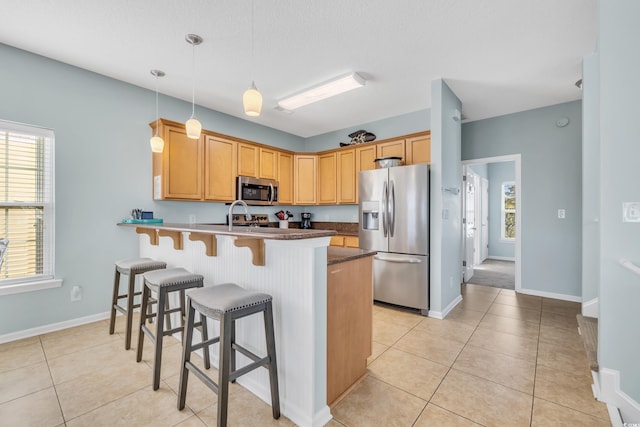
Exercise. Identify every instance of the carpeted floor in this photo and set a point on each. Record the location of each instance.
(499, 274)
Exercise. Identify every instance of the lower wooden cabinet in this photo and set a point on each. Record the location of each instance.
(349, 324)
(345, 241)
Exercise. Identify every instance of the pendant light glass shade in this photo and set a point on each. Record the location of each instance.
(193, 126)
(156, 142)
(252, 100)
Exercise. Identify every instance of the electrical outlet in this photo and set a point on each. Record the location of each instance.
(450, 282)
(561, 213)
(76, 293)
(192, 219)
(631, 212)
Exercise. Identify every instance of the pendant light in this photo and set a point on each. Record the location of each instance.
(192, 125)
(252, 99)
(157, 143)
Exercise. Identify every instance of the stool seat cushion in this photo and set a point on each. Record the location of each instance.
(170, 277)
(215, 300)
(139, 265)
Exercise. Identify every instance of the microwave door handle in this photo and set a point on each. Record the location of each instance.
(385, 202)
(271, 193)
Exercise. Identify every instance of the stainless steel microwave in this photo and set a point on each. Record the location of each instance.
(256, 191)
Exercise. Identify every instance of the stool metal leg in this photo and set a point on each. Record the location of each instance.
(232, 349)
(186, 355)
(271, 351)
(130, 298)
(114, 301)
(205, 337)
(223, 368)
(144, 315)
(157, 357)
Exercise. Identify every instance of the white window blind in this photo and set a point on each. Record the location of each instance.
(26, 202)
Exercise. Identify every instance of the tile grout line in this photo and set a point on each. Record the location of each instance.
(53, 384)
(535, 369)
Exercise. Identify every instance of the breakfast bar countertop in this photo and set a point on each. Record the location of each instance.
(254, 232)
(336, 255)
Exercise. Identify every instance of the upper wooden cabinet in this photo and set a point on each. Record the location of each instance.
(418, 149)
(268, 166)
(248, 159)
(305, 179)
(394, 148)
(346, 174)
(365, 156)
(285, 178)
(177, 171)
(327, 182)
(220, 159)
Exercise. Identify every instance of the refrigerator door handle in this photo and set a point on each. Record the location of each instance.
(392, 210)
(399, 261)
(385, 202)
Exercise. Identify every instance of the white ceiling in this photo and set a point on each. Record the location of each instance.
(498, 56)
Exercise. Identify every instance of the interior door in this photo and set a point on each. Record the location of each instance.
(470, 226)
(484, 232)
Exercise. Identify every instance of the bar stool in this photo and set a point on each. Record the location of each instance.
(164, 282)
(131, 267)
(227, 303)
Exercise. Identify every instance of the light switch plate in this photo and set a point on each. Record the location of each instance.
(631, 212)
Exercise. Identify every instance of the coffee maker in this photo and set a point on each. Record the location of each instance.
(306, 220)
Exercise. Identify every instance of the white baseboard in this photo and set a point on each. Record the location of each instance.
(28, 333)
(591, 308)
(502, 258)
(610, 393)
(442, 314)
(553, 295)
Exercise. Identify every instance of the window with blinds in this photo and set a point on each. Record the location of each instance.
(26, 203)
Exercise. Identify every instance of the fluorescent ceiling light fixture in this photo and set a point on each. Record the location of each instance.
(326, 90)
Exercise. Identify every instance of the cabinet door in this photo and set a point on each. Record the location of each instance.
(305, 179)
(285, 178)
(392, 149)
(220, 159)
(346, 171)
(248, 159)
(268, 163)
(364, 161)
(351, 242)
(327, 184)
(337, 241)
(418, 149)
(181, 165)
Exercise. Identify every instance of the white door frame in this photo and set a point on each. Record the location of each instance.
(517, 158)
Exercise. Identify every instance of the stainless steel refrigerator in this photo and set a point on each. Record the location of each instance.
(394, 220)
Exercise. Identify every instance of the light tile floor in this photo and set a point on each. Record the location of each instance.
(498, 359)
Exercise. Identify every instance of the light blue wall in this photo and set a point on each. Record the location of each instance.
(498, 173)
(446, 207)
(480, 169)
(103, 170)
(590, 177)
(417, 121)
(619, 331)
(551, 180)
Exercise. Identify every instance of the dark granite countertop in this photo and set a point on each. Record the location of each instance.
(258, 232)
(336, 255)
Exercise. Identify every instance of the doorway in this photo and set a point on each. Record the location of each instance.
(491, 222)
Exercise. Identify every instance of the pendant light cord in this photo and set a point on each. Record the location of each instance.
(252, 40)
(156, 105)
(193, 81)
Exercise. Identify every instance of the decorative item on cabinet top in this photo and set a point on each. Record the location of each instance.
(359, 137)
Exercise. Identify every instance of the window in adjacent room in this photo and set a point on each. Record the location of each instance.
(508, 205)
(26, 204)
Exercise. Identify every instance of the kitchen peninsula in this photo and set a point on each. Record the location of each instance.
(290, 265)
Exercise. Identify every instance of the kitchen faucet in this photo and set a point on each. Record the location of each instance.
(247, 215)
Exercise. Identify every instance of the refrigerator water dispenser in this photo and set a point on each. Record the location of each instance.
(370, 216)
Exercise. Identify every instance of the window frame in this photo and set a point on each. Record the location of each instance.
(47, 279)
(504, 211)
